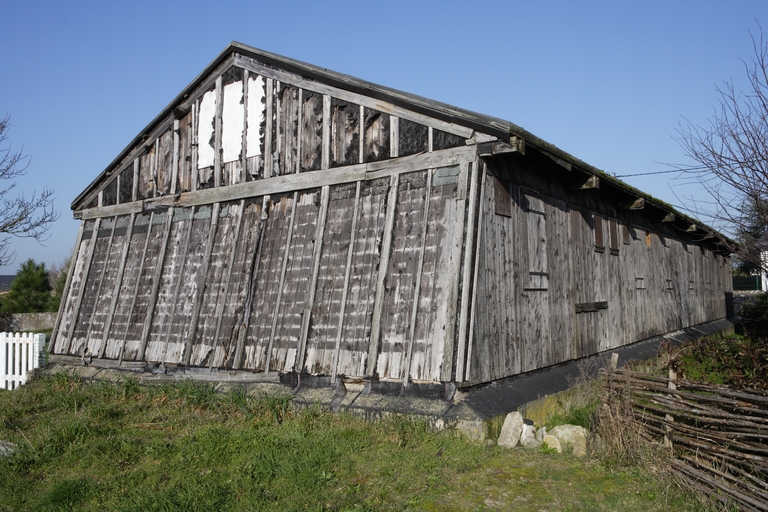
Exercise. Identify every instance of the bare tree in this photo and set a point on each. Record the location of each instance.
(732, 157)
(20, 216)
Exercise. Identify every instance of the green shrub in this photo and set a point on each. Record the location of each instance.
(756, 307)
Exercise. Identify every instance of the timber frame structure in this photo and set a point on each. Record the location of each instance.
(278, 218)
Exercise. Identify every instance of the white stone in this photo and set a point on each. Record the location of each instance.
(511, 430)
(528, 431)
(540, 434)
(572, 436)
(530, 443)
(552, 442)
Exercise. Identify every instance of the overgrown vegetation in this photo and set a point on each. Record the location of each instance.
(756, 307)
(128, 446)
(735, 361)
(35, 289)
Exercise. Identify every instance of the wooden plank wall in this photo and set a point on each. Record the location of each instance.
(641, 282)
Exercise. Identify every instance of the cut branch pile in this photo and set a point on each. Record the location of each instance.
(718, 435)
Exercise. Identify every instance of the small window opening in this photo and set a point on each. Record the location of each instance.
(613, 231)
(598, 229)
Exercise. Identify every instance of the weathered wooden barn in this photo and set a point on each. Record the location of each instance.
(280, 218)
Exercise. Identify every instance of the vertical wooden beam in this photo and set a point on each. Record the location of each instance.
(417, 286)
(244, 140)
(155, 284)
(466, 283)
(100, 198)
(345, 289)
(378, 301)
(154, 165)
(192, 332)
(361, 137)
(98, 288)
(269, 123)
(118, 283)
(478, 247)
(326, 150)
(282, 282)
(138, 281)
(316, 253)
(195, 142)
(135, 185)
(430, 138)
(277, 120)
(222, 303)
(67, 285)
(178, 283)
(86, 271)
(394, 135)
(217, 123)
(253, 270)
(117, 181)
(299, 131)
(175, 164)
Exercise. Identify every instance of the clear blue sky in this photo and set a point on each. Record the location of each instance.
(606, 81)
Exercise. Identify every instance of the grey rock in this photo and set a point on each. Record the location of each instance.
(511, 430)
(6, 448)
(540, 434)
(552, 442)
(573, 437)
(531, 443)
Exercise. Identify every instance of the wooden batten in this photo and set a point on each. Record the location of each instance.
(155, 285)
(487, 149)
(417, 286)
(359, 99)
(136, 286)
(175, 162)
(473, 306)
(345, 289)
(282, 282)
(316, 251)
(291, 182)
(118, 282)
(472, 233)
(378, 301)
(86, 271)
(244, 135)
(201, 285)
(98, 291)
(67, 285)
(217, 164)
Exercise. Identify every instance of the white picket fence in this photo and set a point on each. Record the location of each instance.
(19, 353)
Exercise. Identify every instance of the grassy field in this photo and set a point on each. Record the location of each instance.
(126, 446)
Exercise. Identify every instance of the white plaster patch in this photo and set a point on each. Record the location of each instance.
(205, 130)
(256, 115)
(232, 122)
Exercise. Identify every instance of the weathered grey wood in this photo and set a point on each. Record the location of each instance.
(175, 164)
(394, 136)
(345, 289)
(228, 281)
(206, 84)
(318, 245)
(253, 269)
(472, 232)
(118, 284)
(217, 165)
(281, 283)
(366, 101)
(378, 301)
(201, 286)
(86, 350)
(244, 137)
(361, 146)
(638, 204)
(417, 286)
(195, 144)
(476, 270)
(110, 211)
(67, 285)
(177, 287)
(268, 156)
(299, 133)
(155, 287)
(134, 193)
(326, 150)
(592, 182)
(135, 290)
(87, 266)
(292, 182)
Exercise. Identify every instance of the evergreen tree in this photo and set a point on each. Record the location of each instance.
(30, 291)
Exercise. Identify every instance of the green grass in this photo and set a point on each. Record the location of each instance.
(127, 446)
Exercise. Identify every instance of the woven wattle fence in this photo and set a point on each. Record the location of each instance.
(718, 435)
(20, 353)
